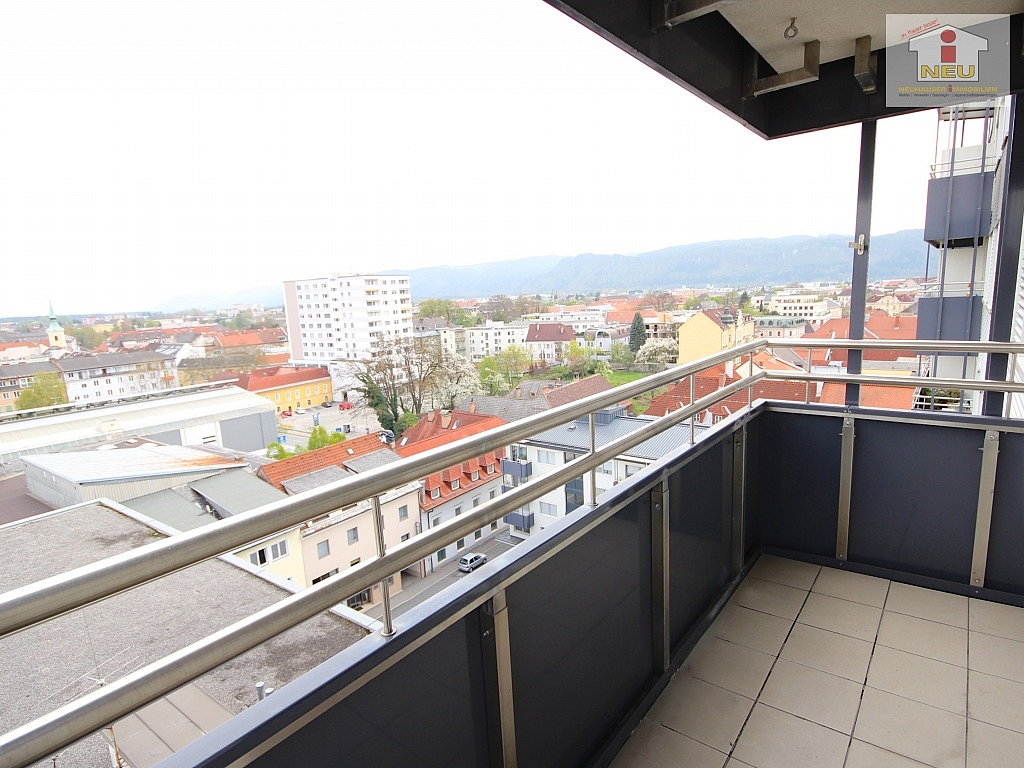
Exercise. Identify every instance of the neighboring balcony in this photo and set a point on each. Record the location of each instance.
(707, 580)
(518, 469)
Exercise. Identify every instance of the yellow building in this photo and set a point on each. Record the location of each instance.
(281, 554)
(711, 331)
(286, 386)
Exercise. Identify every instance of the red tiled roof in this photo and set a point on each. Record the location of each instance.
(625, 316)
(262, 379)
(442, 481)
(871, 396)
(439, 428)
(679, 395)
(540, 332)
(330, 456)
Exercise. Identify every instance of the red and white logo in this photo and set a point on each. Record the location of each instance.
(947, 54)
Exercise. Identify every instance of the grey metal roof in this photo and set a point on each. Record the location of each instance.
(58, 660)
(19, 370)
(372, 460)
(236, 491)
(505, 409)
(85, 362)
(147, 460)
(575, 437)
(172, 509)
(313, 479)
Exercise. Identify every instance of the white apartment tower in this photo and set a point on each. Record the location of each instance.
(341, 317)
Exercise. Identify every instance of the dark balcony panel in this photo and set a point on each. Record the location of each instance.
(915, 492)
(1005, 569)
(520, 469)
(961, 318)
(700, 535)
(580, 626)
(797, 480)
(519, 520)
(969, 190)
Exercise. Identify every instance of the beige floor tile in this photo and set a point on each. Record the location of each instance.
(734, 667)
(927, 604)
(813, 695)
(926, 734)
(997, 656)
(654, 746)
(997, 619)
(842, 616)
(792, 573)
(705, 712)
(992, 747)
(754, 629)
(941, 642)
(919, 678)
(996, 701)
(864, 755)
(776, 739)
(848, 585)
(828, 651)
(734, 763)
(769, 597)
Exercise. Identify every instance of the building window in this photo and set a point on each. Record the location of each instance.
(492, 493)
(546, 457)
(455, 484)
(354, 563)
(460, 543)
(353, 535)
(323, 548)
(435, 493)
(327, 575)
(405, 537)
(403, 512)
(269, 554)
(494, 526)
(478, 535)
(632, 469)
(458, 511)
(435, 522)
(441, 555)
(475, 476)
(605, 469)
(548, 509)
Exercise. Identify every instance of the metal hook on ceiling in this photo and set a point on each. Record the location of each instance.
(791, 31)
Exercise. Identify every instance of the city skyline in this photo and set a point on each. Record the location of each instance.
(165, 148)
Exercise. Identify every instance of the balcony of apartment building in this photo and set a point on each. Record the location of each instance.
(804, 585)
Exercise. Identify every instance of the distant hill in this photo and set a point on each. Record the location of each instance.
(721, 262)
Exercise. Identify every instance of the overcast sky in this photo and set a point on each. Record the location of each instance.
(150, 148)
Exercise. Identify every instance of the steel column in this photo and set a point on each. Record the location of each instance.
(861, 246)
(1011, 222)
(983, 521)
(739, 462)
(660, 577)
(845, 489)
(497, 654)
(385, 591)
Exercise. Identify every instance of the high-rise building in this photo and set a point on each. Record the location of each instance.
(341, 317)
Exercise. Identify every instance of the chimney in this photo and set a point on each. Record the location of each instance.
(472, 406)
(897, 323)
(446, 419)
(721, 380)
(430, 417)
(545, 390)
(728, 369)
(519, 392)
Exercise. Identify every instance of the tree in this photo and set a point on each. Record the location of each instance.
(661, 300)
(456, 379)
(276, 451)
(46, 389)
(512, 361)
(405, 421)
(621, 354)
(88, 337)
(319, 437)
(499, 307)
(658, 351)
(398, 377)
(577, 357)
(491, 378)
(527, 305)
(637, 333)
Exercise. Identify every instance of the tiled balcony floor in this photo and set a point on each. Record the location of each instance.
(817, 667)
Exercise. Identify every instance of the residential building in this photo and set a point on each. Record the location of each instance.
(342, 316)
(779, 327)
(493, 337)
(14, 377)
(286, 386)
(113, 375)
(599, 340)
(547, 342)
(711, 331)
(21, 351)
(531, 396)
(578, 318)
(459, 488)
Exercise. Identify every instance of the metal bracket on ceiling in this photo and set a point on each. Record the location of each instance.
(808, 73)
(865, 65)
(666, 14)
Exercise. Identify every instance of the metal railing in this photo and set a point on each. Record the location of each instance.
(29, 605)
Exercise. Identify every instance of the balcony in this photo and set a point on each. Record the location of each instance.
(517, 469)
(685, 590)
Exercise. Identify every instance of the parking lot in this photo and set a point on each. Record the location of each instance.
(360, 420)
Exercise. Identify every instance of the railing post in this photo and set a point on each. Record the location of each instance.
(983, 520)
(691, 415)
(739, 463)
(591, 485)
(660, 577)
(845, 489)
(385, 591)
(497, 658)
(750, 372)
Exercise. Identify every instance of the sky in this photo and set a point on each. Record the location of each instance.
(153, 149)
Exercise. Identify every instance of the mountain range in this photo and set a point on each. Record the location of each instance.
(743, 263)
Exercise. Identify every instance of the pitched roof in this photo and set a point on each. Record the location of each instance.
(871, 396)
(332, 455)
(505, 409)
(262, 379)
(577, 390)
(442, 482)
(546, 332)
(443, 427)
(678, 396)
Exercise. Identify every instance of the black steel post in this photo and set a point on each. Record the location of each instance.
(1011, 220)
(861, 247)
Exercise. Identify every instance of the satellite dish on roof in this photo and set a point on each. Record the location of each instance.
(387, 436)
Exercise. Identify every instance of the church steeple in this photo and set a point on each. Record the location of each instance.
(54, 332)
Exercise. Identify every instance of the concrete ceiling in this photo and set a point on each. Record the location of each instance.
(835, 25)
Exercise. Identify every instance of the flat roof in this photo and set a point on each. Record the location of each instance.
(147, 460)
(61, 659)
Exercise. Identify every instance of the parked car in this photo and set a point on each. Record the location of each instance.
(287, 412)
(344, 405)
(300, 410)
(327, 404)
(468, 563)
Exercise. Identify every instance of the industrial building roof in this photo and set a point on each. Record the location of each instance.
(61, 659)
(236, 491)
(148, 460)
